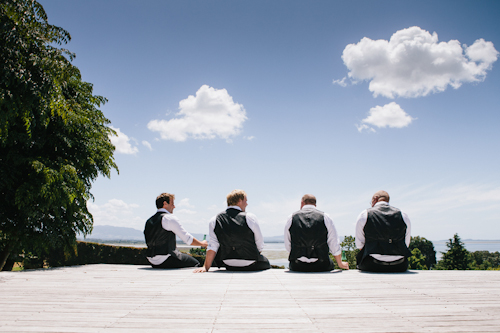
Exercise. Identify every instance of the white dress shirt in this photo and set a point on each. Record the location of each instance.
(332, 238)
(171, 223)
(213, 242)
(360, 234)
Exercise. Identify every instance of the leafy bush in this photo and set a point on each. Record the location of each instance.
(426, 249)
(457, 257)
(348, 246)
(417, 260)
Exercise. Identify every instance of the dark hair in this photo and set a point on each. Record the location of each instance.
(162, 198)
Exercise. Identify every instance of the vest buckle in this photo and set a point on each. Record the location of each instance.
(390, 240)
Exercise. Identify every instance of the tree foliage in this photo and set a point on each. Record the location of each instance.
(426, 249)
(456, 258)
(485, 260)
(54, 141)
(348, 245)
(417, 260)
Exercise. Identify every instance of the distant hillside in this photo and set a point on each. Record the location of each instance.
(111, 233)
(107, 232)
(274, 239)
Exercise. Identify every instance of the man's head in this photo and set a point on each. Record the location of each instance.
(380, 196)
(237, 198)
(165, 200)
(308, 199)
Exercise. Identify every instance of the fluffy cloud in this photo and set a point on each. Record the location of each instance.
(211, 113)
(413, 63)
(147, 144)
(116, 213)
(122, 142)
(389, 115)
(184, 203)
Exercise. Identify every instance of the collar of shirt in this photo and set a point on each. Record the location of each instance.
(309, 207)
(163, 210)
(381, 203)
(234, 207)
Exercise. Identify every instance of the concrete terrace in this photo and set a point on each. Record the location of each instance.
(123, 298)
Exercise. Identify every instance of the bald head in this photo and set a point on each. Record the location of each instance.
(308, 199)
(380, 196)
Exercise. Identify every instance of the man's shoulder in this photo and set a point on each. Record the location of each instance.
(155, 215)
(307, 209)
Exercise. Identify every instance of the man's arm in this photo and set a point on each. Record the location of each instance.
(406, 219)
(170, 222)
(342, 264)
(254, 226)
(288, 238)
(360, 225)
(196, 242)
(208, 262)
(333, 242)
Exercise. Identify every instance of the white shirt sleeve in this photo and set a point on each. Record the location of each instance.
(360, 225)
(254, 226)
(408, 229)
(213, 242)
(288, 238)
(333, 238)
(171, 223)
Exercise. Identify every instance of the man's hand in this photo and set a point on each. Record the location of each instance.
(202, 243)
(200, 270)
(343, 265)
(208, 262)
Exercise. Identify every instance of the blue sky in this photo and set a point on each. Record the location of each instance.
(281, 98)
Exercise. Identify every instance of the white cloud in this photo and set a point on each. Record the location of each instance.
(211, 113)
(438, 212)
(122, 142)
(250, 138)
(184, 203)
(363, 127)
(341, 83)
(116, 213)
(147, 144)
(185, 211)
(389, 115)
(413, 63)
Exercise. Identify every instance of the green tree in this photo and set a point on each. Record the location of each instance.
(417, 260)
(348, 245)
(485, 260)
(54, 141)
(457, 257)
(426, 248)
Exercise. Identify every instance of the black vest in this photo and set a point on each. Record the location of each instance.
(385, 232)
(159, 240)
(308, 235)
(236, 239)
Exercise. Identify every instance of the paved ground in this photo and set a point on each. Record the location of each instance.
(119, 298)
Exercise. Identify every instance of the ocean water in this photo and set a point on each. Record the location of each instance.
(277, 254)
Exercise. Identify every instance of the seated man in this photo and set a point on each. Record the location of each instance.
(383, 237)
(309, 236)
(235, 240)
(160, 231)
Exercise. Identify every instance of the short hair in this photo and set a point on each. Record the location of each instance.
(235, 196)
(309, 199)
(381, 195)
(162, 198)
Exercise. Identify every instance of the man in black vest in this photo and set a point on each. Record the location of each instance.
(160, 231)
(309, 236)
(383, 237)
(235, 240)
